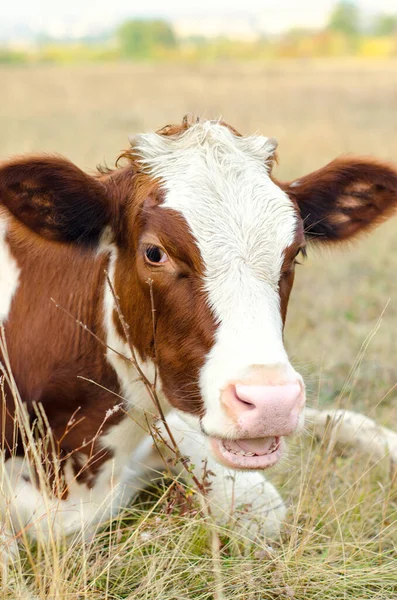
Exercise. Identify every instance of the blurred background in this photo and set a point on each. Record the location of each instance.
(321, 76)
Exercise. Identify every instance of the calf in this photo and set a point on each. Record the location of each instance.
(193, 229)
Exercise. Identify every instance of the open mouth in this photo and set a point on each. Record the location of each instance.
(259, 453)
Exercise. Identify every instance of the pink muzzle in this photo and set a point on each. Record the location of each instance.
(263, 415)
(265, 410)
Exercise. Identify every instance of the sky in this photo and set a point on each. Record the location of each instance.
(275, 15)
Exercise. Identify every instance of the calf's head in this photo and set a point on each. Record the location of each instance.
(204, 238)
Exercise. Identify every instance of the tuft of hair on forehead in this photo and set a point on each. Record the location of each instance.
(216, 137)
(190, 121)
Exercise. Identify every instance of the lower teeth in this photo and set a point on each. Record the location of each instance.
(272, 448)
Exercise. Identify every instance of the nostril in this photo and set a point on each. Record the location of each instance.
(249, 404)
(267, 410)
(257, 396)
(245, 401)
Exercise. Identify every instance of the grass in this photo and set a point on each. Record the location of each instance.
(338, 542)
(340, 538)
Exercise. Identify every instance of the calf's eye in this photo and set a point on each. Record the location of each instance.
(155, 255)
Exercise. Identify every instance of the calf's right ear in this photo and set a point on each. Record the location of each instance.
(57, 200)
(347, 197)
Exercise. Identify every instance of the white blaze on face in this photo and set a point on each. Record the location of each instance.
(243, 223)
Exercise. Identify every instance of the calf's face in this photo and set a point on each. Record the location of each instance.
(218, 241)
(205, 243)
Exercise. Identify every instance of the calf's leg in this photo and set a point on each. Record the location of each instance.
(345, 427)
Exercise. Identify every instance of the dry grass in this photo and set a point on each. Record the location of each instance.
(341, 536)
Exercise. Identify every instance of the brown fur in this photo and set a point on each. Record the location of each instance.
(345, 198)
(48, 351)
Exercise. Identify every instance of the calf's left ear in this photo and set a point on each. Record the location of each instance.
(344, 198)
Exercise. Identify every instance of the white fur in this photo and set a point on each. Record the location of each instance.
(245, 499)
(242, 223)
(9, 272)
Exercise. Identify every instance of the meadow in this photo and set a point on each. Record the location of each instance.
(340, 538)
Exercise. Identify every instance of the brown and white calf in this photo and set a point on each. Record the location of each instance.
(196, 211)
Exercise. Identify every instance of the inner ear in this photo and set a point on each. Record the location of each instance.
(360, 193)
(360, 205)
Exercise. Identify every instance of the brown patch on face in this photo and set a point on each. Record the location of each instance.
(184, 323)
(287, 274)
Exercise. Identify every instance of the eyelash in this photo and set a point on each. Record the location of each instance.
(301, 251)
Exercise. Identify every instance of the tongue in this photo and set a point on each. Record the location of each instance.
(259, 446)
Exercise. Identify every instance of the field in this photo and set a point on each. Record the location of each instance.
(340, 539)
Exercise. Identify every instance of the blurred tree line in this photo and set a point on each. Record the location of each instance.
(347, 19)
(348, 33)
(140, 38)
